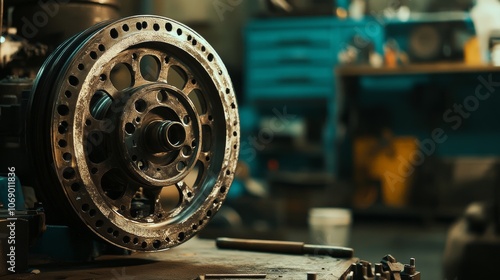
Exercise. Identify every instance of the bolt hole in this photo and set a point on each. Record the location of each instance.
(75, 187)
(194, 42)
(81, 66)
(203, 48)
(67, 157)
(210, 57)
(138, 120)
(228, 172)
(116, 233)
(113, 33)
(162, 96)
(138, 26)
(144, 244)
(193, 144)
(99, 224)
(69, 173)
(181, 236)
(190, 194)
(189, 37)
(144, 25)
(136, 241)
(85, 207)
(209, 213)
(156, 244)
(129, 128)
(73, 80)
(140, 105)
(168, 26)
(93, 55)
(88, 122)
(207, 158)
(156, 26)
(102, 47)
(103, 77)
(223, 189)
(62, 143)
(181, 166)
(195, 227)
(92, 212)
(186, 120)
(179, 31)
(228, 91)
(68, 94)
(235, 133)
(186, 151)
(126, 239)
(125, 27)
(210, 118)
(63, 127)
(233, 105)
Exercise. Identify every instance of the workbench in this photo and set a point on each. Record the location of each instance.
(192, 259)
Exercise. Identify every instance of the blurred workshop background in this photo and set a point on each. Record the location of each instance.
(372, 124)
(385, 108)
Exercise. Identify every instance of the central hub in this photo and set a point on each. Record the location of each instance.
(161, 134)
(165, 136)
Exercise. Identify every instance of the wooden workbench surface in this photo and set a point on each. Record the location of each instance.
(194, 258)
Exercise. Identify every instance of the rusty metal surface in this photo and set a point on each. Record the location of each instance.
(199, 257)
(134, 132)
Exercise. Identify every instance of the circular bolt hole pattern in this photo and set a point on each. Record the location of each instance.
(81, 66)
(125, 27)
(168, 26)
(144, 244)
(68, 94)
(93, 55)
(102, 77)
(156, 244)
(179, 31)
(144, 25)
(102, 47)
(126, 239)
(156, 27)
(223, 189)
(138, 26)
(210, 57)
(88, 122)
(186, 151)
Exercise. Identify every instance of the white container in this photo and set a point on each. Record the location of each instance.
(330, 226)
(485, 16)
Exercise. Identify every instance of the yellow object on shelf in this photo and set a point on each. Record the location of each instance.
(472, 52)
(388, 161)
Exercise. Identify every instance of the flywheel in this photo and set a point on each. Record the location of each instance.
(134, 132)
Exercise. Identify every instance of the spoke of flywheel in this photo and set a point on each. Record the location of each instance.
(126, 198)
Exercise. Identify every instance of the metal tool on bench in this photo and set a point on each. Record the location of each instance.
(283, 247)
